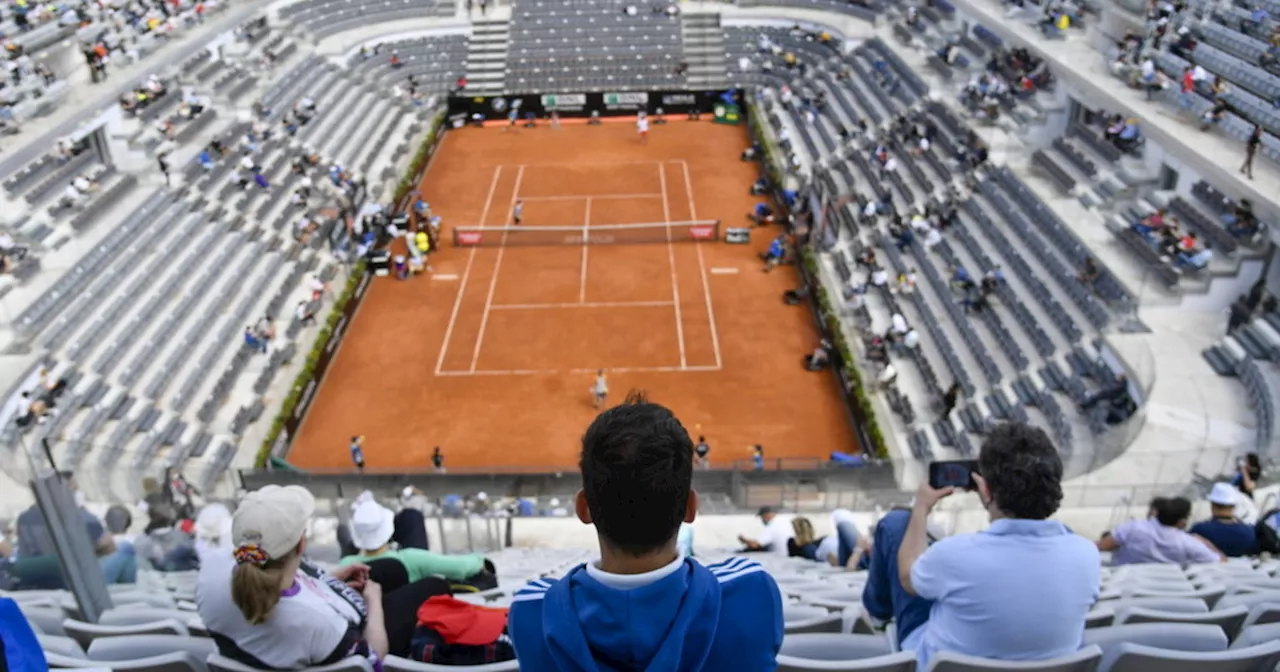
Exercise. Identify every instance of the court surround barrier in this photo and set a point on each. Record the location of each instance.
(469, 109)
(600, 234)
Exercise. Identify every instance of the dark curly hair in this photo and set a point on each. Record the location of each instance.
(637, 471)
(1023, 470)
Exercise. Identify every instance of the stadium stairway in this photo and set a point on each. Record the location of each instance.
(486, 64)
(704, 51)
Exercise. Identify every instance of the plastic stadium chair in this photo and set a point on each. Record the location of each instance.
(1137, 658)
(1174, 636)
(63, 646)
(396, 664)
(1181, 605)
(1099, 617)
(1257, 634)
(1229, 619)
(45, 619)
(137, 615)
(1084, 660)
(219, 663)
(85, 633)
(827, 651)
(146, 646)
(1248, 599)
(1210, 594)
(179, 661)
(795, 613)
(836, 600)
(826, 622)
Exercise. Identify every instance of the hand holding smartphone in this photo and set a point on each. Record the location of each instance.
(952, 474)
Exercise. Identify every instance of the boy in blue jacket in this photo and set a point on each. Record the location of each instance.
(643, 605)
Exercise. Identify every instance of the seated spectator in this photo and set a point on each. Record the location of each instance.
(1089, 273)
(643, 605)
(1214, 115)
(267, 607)
(37, 565)
(844, 547)
(979, 582)
(163, 545)
(1242, 223)
(213, 531)
(1193, 254)
(1233, 538)
(775, 536)
(1160, 538)
(373, 527)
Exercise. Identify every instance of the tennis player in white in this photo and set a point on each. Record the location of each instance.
(642, 127)
(600, 389)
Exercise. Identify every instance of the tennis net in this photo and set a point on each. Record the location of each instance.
(601, 234)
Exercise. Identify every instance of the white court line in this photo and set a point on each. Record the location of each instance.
(724, 271)
(671, 259)
(588, 196)
(445, 276)
(497, 266)
(596, 304)
(555, 372)
(582, 282)
(706, 289)
(466, 273)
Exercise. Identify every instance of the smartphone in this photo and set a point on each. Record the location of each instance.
(952, 474)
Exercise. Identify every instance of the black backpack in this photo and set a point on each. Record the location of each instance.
(1266, 531)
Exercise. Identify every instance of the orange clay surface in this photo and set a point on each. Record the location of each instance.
(492, 355)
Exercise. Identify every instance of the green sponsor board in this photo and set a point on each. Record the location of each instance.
(727, 113)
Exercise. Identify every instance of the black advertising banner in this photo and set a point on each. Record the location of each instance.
(727, 105)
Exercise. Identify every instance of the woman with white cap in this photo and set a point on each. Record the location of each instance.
(267, 607)
(213, 531)
(372, 529)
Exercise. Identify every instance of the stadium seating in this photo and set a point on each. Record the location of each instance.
(591, 46)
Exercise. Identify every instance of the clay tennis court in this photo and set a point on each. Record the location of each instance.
(491, 356)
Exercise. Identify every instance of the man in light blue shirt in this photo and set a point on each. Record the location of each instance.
(1021, 589)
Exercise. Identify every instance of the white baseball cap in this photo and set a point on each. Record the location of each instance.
(1223, 494)
(273, 519)
(214, 522)
(372, 525)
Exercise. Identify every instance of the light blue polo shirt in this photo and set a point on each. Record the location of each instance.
(1018, 591)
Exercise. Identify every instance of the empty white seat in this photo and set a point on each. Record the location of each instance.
(220, 663)
(395, 664)
(842, 653)
(171, 662)
(1247, 599)
(1184, 605)
(1129, 657)
(63, 646)
(45, 619)
(146, 646)
(1230, 619)
(1179, 636)
(87, 632)
(1084, 660)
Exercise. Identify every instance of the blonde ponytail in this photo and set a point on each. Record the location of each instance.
(255, 589)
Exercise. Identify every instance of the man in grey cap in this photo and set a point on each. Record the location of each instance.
(774, 538)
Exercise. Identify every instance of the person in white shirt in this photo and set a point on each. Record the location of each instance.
(268, 607)
(82, 184)
(774, 538)
(879, 277)
(911, 340)
(744, 64)
(898, 324)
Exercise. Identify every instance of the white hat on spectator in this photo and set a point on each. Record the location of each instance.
(272, 520)
(213, 523)
(1222, 494)
(372, 525)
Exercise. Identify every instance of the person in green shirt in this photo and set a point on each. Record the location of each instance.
(372, 526)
